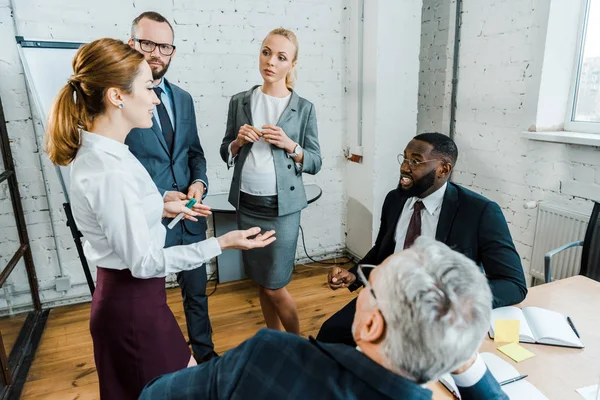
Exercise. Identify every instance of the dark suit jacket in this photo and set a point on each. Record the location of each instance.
(469, 223)
(278, 365)
(299, 122)
(178, 170)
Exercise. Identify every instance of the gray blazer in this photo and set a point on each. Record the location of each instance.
(299, 122)
(174, 171)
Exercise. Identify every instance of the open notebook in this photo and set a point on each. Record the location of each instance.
(539, 325)
(502, 371)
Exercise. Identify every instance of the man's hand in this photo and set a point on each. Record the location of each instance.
(172, 195)
(340, 278)
(195, 191)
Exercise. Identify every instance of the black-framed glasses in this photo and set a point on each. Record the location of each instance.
(364, 279)
(148, 46)
(412, 163)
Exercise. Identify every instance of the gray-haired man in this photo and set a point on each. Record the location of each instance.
(424, 312)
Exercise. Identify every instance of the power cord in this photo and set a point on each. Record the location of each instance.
(216, 283)
(319, 262)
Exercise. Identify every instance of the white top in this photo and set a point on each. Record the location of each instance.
(118, 209)
(258, 174)
(430, 216)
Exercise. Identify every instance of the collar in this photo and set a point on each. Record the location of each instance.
(383, 380)
(432, 202)
(162, 85)
(102, 143)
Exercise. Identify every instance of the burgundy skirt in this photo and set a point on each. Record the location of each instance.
(136, 337)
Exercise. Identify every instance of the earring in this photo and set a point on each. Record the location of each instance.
(120, 106)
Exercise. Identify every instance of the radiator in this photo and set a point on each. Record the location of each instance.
(555, 227)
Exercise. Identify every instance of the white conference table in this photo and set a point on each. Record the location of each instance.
(229, 263)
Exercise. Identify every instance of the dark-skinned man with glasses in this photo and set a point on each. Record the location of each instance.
(171, 153)
(426, 204)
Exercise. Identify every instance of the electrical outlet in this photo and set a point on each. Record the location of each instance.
(62, 283)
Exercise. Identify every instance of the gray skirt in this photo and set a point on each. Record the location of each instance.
(270, 267)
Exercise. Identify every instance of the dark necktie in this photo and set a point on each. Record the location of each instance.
(165, 121)
(414, 226)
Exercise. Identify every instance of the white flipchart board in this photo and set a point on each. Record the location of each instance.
(47, 66)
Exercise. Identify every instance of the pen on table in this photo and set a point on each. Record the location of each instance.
(450, 389)
(573, 326)
(518, 378)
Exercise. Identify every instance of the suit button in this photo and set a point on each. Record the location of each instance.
(292, 188)
(289, 166)
(172, 162)
(174, 185)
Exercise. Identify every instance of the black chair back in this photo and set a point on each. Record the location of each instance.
(590, 257)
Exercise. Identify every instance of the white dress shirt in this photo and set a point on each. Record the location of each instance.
(430, 216)
(118, 209)
(472, 375)
(258, 174)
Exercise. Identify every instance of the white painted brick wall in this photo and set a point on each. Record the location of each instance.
(502, 44)
(218, 43)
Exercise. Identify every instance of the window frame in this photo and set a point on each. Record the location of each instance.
(570, 124)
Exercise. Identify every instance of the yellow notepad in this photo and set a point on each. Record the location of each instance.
(516, 351)
(507, 330)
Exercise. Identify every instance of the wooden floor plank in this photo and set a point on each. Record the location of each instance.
(64, 368)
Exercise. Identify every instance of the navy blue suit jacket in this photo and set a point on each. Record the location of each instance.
(278, 365)
(178, 170)
(469, 223)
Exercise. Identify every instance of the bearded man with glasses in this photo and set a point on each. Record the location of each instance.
(171, 153)
(426, 204)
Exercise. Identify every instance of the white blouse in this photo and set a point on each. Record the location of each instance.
(118, 209)
(258, 174)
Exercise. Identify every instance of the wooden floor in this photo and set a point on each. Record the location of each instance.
(63, 367)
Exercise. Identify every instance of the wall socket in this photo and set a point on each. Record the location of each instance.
(63, 283)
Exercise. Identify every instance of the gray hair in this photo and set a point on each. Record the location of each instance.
(437, 307)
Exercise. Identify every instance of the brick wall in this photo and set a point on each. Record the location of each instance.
(501, 54)
(216, 57)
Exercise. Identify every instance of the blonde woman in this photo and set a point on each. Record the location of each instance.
(271, 140)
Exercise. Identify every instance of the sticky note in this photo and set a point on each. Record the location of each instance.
(516, 351)
(507, 330)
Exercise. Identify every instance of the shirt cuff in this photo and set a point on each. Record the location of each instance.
(210, 248)
(231, 157)
(472, 375)
(205, 187)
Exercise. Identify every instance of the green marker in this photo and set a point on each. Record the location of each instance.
(189, 205)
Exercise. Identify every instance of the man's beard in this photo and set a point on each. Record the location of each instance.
(419, 186)
(158, 74)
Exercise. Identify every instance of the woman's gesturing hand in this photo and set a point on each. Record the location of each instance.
(241, 239)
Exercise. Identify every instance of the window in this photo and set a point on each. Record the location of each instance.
(583, 112)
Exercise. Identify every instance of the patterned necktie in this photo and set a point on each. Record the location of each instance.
(165, 121)
(414, 226)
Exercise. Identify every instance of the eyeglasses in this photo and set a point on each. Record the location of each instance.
(412, 163)
(148, 46)
(364, 279)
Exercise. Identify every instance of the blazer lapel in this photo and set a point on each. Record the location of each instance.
(447, 213)
(389, 241)
(159, 135)
(289, 110)
(248, 104)
(177, 105)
